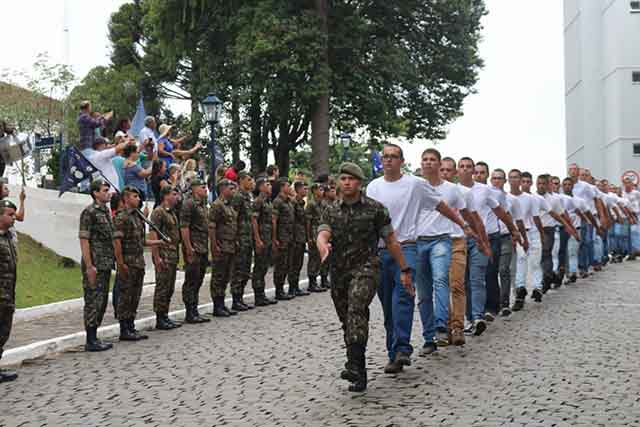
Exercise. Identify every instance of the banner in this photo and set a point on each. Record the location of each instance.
(376, 162)
(77, 168)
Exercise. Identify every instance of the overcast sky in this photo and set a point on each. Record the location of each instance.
(515, 120)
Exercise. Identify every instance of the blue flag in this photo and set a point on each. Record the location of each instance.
(376, 162)
(76, 169)
(138, 119)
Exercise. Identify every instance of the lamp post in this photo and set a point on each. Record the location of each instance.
(345, 139)
(211, 108)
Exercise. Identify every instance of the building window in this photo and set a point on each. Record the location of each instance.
(635, 77)
(634, 6)
(636, 149)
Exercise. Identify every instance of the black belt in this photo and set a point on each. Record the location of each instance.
(494, 235)
(432, 238)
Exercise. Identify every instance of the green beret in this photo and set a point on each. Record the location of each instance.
(352, 169)
(97, 184)
(7, 204)
(283, 180)
(243, 174)
(197, 182)
(167, 189)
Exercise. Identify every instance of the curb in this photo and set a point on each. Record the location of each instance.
(15, 356)
(26, 314)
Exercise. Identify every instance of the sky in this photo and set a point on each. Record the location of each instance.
(516, 118)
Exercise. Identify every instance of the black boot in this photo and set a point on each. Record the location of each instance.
(163, 323)
(261, 299)
(241, 295)
(193, 316)
(313, 285)
(324, 282)
(93, 344)
(219, 308)
(132, 327)
(349, 372)
(127, 334)
(7, 375)
(237, 304)
(280, 295)
(521, 294)
(558, 279)
(360, 368)
(546, 284)
(297, 291)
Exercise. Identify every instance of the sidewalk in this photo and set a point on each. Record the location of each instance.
(61, 327)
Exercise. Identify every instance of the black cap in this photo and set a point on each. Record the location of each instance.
(97, 184)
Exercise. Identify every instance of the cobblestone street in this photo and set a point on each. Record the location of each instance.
(572, 360)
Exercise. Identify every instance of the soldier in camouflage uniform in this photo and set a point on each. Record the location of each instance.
(165, 258)
(282, 221)
(330, 197)
(96, 245)
(223, 235)
(313, 212)
(261, 215)
(8, 262)
(299, 241)
(241, 203)
(194, 230)
(129, 242)
(353, 226)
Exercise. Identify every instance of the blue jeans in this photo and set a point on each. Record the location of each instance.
(432, 277)
(635, 238)
(397, 304)
(585, 252)
(475, 285)
(491, 278)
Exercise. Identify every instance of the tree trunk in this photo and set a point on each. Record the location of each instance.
(258, 146)
(320, 116)
(282, 148)
(235, 125)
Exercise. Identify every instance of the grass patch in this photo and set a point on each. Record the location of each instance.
(44, 276)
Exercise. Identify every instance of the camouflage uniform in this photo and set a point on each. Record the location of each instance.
(167, 221)
(129, 229)
(8, 261)
(96, 227)
(194, 216)
(223, 223)
(262, 211)
(283, 212)
(355, 267)
(241, 202)
(298, 243)
(313, 212)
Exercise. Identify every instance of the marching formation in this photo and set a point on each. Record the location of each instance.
(454, 241)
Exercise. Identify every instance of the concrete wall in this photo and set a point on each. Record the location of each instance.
(52, 221)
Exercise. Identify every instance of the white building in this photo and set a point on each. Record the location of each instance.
(602, 77)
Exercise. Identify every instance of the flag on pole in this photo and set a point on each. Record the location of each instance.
(138, 119)
(76, 169)
(376, 162)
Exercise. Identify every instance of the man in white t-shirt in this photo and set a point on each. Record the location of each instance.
(575, 207)
(148, 134)
(433, 231)
(101, 157)
(477, 261)
(492, 225)
(404, 196)
(556, 214)
(632, 195)
(513, 207)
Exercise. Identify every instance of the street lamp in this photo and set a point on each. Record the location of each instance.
(345, 139)
(211, 108)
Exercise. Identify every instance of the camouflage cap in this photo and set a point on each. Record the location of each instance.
(97, 184)
(352, 169)
(196, 182)
(7, 204)
(284, 180)
(166, 190)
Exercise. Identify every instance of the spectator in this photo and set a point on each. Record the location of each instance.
(175, 175)
(134, 174)
(123, 129)
(148, 133)
(232, 173)
(170, 149)
(158, 179)
(88, 122)
(102, 158)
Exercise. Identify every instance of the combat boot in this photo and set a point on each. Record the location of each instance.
(132, 327)
(349, 372)
(280, 295)
(324, 282)
(313, 285)
(127, 334)
(7, 375)
(261, 299)
(297, 291)
(521, 294)
(360, 368)
(237, 304)
(219, 309)
(192, 315)
(248, 306)
(163, 323)
(93, 344)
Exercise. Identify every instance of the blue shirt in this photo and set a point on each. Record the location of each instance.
(168, 147)
(132, 177)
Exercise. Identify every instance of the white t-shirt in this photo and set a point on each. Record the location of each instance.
(483, 203)
(102, 160)
(147, 133)
(457, 231)
(539, 207)
(526, 206)
(432, 222)
(404, 199)
(501, 198)
(633, 197)
(514, 209)
(555, 205)
(586, 192)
